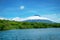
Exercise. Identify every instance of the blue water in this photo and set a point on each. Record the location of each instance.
(31, 34)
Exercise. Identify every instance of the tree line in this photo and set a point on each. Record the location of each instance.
(8, 25)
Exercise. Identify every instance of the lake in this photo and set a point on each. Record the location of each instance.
(31, 34)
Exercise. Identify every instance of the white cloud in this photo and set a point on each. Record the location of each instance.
(53, 17)
(2, 18)
(16, 19)
(22, 7)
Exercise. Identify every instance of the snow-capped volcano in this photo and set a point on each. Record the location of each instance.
(37, 19)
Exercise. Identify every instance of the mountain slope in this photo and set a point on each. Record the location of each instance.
(37, 19)
(44, 21)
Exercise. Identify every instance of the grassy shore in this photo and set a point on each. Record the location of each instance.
(8, 25)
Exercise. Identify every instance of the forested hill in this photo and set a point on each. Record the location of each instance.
(8, 25)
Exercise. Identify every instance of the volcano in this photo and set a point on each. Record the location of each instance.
(37, 18)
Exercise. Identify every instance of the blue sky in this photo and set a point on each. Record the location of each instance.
(45, 8)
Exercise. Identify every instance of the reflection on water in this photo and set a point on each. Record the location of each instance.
(31, 34)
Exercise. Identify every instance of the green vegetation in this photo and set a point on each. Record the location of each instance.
(8, 25)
